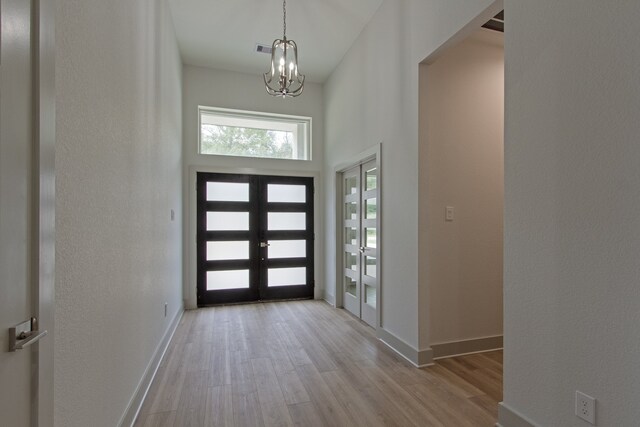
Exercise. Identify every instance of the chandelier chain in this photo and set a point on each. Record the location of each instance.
(284, 14)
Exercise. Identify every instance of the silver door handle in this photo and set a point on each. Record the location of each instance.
(264, 244)
(24, 334)
(362, 249)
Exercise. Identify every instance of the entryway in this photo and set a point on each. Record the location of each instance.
(306, 363)
(255, 238)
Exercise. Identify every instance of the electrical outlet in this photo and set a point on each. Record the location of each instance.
(586, 407)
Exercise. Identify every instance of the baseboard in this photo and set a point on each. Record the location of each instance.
(329, 302)
(330, 299)
(508, 417)
(418, 358)
(130, 415)
(458, 348)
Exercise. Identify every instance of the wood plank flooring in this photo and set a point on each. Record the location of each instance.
(305, 363)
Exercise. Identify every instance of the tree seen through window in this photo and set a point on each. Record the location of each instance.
(242, 141)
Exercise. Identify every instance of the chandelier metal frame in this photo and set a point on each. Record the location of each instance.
(283, 79)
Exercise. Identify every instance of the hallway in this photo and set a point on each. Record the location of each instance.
(306, 363)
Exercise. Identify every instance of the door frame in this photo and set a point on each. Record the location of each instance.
(372, 154)
(43, 215)
(258, 263)
(190, 252)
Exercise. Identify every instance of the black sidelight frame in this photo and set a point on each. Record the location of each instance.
(258, 263)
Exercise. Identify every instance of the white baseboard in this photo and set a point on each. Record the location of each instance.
(462, 347)
(130, 415)
(330, 299)
(418, 358)
(329, 302)
(508, 417)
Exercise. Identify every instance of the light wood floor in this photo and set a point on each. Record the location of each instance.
(306, 363)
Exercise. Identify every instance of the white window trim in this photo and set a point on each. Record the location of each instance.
(282, 121)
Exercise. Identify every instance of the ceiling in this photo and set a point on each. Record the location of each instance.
(223, 33)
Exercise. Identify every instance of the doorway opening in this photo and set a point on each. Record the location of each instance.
(255, 238)
(462, 176)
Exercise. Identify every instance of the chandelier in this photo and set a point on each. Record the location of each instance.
(283, 79)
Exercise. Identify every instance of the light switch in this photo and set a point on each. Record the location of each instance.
(448, 215)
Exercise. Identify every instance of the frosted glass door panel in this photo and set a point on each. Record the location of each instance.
(287, 276)
(351, 185)
(370, 208)
(350, 285)
(370, 296)
(351, 236)
(371, 237)
(220, 251)
(227, 192)
(371, 179)
(351, 210)
(351, 261)
(287, 220)
(227, 279)
(279, 193)
(287, 249)
(370, 266)
(227, 221)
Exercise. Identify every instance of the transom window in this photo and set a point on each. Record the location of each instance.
(249, 134)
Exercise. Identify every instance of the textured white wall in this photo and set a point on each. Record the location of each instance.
(372, 97)
(462, 146)
(118, 175)
(225, 89)
(572, 302)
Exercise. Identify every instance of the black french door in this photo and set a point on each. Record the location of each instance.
(255, 238)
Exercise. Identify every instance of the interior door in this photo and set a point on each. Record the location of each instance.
(26, 213)
(255, 238)
(360, 246)
(369, 242)
(352, 262)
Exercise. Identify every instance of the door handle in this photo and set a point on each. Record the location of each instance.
(362, 249)
(24, 334)
(264, 244)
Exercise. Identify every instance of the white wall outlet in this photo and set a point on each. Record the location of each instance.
(448, 213)
(586, 407)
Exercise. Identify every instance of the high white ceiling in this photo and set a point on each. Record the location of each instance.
(223, 33)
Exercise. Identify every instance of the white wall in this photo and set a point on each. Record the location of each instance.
(119, 173)
(462, 148)
(372, 97)
(225, 89)
(572, 302)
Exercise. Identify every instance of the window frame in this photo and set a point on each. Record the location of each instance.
(303, 123)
